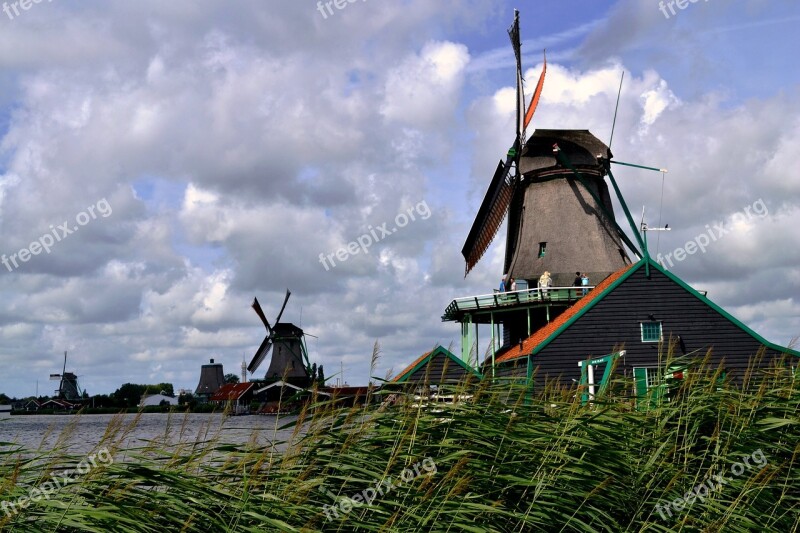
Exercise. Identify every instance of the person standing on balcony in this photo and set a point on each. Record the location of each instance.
(585, 283)
(577, 282)
(503, 284)
(513, 286)
(545, 282)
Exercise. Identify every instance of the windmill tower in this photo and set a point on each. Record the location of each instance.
(289, 360)
(212, 377)
(552, 190)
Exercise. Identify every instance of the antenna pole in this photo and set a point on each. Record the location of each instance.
(616, 108)
(660, 209)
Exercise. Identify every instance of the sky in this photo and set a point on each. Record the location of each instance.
(163, 163)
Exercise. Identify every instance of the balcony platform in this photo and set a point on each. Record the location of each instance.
(481, 308)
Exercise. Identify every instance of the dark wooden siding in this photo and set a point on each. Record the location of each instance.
(440, 369)
(614, 323)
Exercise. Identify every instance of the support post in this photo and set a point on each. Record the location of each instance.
(465, 339)
(529, 321)
(477, 345)
(491, 321)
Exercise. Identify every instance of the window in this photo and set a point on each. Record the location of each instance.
(651, 377)
(542, 249)
(651, 331)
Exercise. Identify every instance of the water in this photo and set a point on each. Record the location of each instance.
(82, 433)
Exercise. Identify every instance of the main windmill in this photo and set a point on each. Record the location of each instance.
(551, 188)
(286, 341)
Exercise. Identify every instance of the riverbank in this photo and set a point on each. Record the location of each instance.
(504, 459)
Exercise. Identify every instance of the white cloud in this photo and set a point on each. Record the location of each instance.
(423, 91)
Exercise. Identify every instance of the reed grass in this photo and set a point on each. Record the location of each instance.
(506, 459)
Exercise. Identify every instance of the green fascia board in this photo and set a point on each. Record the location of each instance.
(741, 325)
(680, 283)
(436, 351)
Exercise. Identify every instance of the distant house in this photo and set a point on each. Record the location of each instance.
(5, 411)
(59, 405)
(151, 400)
(32, 405)
(236, 394)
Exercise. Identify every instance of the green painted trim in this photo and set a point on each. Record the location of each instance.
(680, 283)
(634, 229)
(436, 351)
(723, 312)
(638, 166)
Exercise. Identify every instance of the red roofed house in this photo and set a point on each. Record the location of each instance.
(238, 395)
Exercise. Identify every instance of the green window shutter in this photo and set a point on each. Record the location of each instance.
(640, 376)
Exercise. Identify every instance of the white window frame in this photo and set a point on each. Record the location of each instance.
(660, 331)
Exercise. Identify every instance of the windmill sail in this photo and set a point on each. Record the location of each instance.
(513, 33)
(490, 216)
(501, 190)
(257, 308)
(286, 299)
(260, 355)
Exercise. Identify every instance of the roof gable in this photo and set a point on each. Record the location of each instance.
(741, 325)
(426, 358)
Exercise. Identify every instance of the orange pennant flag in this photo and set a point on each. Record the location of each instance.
(536, 94)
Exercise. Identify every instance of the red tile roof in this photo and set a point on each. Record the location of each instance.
(231, 392)
(530, 344)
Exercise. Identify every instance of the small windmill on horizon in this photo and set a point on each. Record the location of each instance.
(289, 360)
(68, 388)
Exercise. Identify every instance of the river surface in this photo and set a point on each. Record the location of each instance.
(82, 433)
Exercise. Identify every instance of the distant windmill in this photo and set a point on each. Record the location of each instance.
(68, 388)
(289, 357)
(551, 187)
